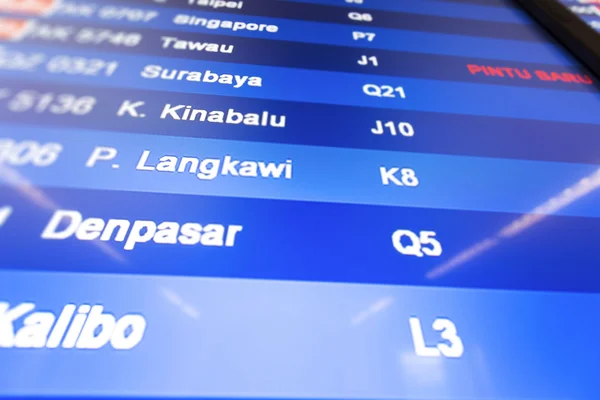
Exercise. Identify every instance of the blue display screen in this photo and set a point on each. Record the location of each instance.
(295, 200)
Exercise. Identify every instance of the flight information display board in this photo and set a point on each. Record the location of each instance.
(295, 199)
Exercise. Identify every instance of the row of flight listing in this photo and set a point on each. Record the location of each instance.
(300, 123)
(161, 336)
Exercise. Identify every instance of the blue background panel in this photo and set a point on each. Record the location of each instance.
(308, 242)
(259, 339)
